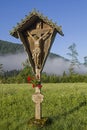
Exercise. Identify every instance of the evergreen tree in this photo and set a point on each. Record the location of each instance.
(73, 57)
(22, 76)
(26, 63)
(1, 69)
(85, 60)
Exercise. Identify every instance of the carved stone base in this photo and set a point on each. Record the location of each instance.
(37, 99)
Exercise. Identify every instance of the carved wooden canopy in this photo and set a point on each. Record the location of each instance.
(37, 34)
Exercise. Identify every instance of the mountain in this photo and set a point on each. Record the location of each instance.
(14, 48)
(12, 55)
(9, 47)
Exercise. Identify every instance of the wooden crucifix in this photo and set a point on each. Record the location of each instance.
(37, 57)
(37, 34)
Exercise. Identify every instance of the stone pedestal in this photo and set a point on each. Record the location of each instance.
(37, 99)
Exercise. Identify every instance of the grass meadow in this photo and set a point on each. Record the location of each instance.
(65, 104)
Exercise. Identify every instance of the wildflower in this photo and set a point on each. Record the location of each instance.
(29, 79)
(33, 85)
(35, 82)
(39, 86)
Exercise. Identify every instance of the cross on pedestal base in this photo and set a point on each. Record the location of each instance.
(37, 99)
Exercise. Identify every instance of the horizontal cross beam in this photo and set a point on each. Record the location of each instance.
(40, 31)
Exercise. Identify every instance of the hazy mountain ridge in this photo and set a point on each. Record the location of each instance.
(9, 47)
(14, 48)
(12, 55)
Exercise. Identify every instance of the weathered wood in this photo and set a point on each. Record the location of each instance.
(40, 31)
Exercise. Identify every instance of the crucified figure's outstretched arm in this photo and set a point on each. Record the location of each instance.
(44, 36)
(31, 36)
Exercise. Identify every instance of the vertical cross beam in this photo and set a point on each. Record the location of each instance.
(38, 111)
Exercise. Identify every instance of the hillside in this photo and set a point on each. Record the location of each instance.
(13, 48)
(9, 47)
(12, 55)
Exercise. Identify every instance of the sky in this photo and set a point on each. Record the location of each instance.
(70, 14)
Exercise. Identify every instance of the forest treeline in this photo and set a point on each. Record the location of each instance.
(19, 77)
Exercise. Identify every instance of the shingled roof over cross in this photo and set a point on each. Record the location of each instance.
(29, 19)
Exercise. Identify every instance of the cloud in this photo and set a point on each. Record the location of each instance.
(59, 65)
(82, 69)
(12, 61)
(52, 66)
(56, 66)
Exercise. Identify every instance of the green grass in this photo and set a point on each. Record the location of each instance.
(64, 104)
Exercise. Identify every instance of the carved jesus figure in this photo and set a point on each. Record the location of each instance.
(36, 55)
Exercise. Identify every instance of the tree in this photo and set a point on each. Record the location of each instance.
(85, 60)
(26, 63)
(22, 76)
(73, 57)
(1, 69)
